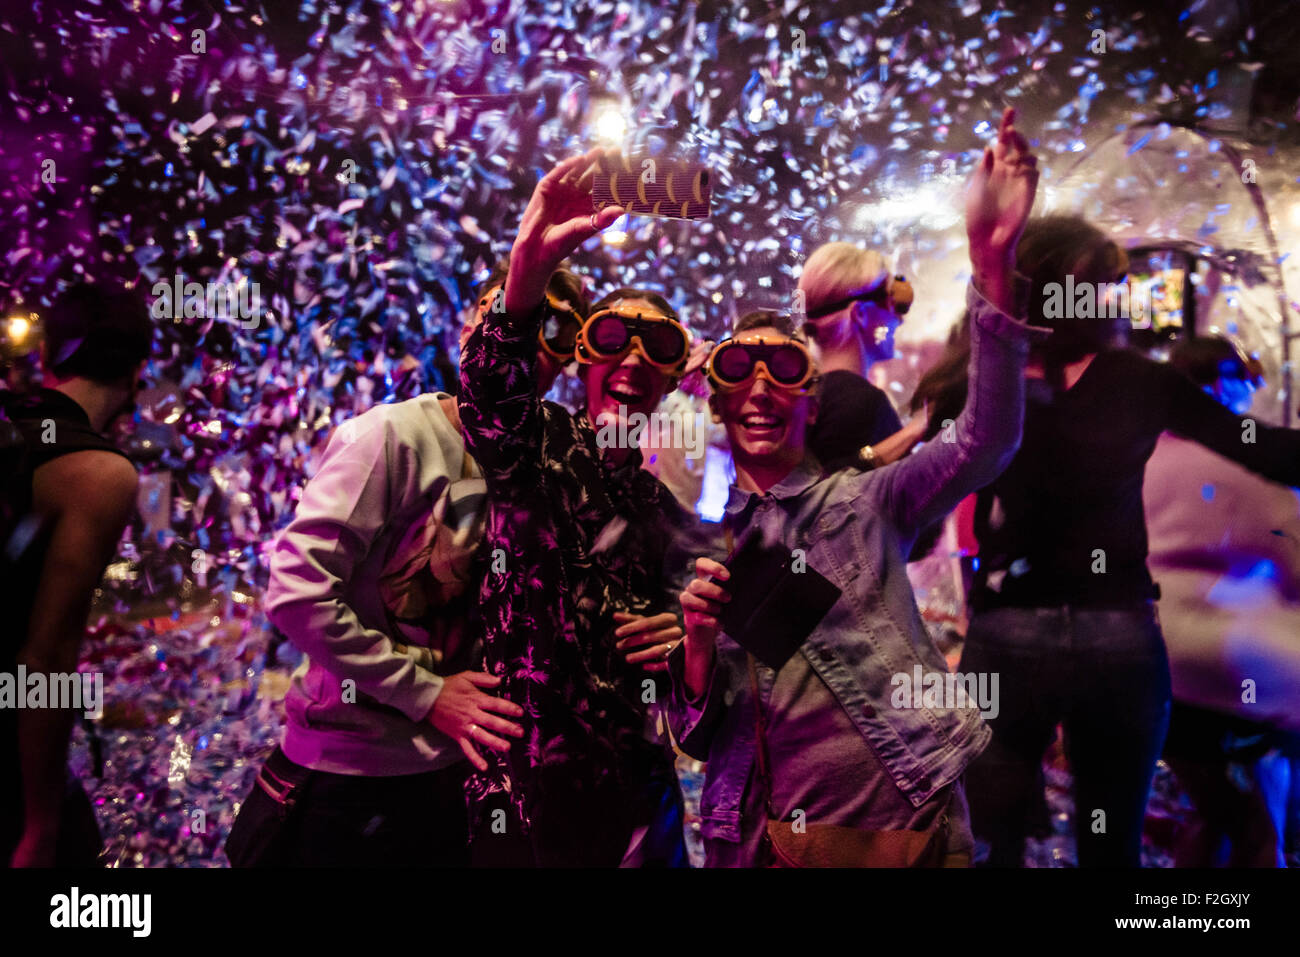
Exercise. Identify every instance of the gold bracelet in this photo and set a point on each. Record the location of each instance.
(867, 456)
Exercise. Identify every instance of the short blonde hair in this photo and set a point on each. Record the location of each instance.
(837, 271)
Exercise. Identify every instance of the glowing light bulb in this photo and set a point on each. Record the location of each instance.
(18, 329)
(610, 125)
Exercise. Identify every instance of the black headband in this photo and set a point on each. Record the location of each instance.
(879, 296)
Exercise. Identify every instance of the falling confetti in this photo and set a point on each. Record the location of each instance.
(361, 164)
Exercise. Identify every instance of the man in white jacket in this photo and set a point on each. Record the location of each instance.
(370, 580)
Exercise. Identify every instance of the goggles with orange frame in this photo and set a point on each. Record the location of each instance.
(895, 294)
(614, 332)
(784, 362)
(560, 325)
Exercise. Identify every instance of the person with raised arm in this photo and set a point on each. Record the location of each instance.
(816, 756)
(578, 609)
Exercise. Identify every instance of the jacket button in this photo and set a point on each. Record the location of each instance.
(826, 654)
(924, 784)
(868, 711)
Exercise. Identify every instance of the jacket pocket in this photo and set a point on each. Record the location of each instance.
(833, 545)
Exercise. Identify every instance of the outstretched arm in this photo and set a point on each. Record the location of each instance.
(1267, 450)
(499, 407)
(971, 452)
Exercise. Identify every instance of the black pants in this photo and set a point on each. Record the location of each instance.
(1104, 676)
(587, 828)
(343, 820)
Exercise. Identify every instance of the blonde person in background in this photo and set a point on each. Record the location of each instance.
(854, 306)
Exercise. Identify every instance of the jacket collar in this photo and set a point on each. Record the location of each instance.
(801, 478)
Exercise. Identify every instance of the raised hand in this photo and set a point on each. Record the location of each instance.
(999, 198)
(557, 220)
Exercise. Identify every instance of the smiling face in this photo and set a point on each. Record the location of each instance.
(767, 426)
(628, 381)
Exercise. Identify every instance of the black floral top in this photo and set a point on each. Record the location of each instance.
(571, 539)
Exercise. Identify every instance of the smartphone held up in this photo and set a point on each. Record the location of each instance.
(653, 186)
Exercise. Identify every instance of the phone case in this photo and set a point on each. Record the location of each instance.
(654, 186)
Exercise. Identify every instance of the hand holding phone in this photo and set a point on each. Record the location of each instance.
(652, 186)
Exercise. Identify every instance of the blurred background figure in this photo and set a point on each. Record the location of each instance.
(1063, 602)
(68, 494)
(854, 307)
(1225, 550)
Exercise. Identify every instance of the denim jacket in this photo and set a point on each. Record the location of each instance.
(856, 528)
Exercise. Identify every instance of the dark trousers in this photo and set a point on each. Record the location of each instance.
(343, 820)
(574, 828)
(1104, 676)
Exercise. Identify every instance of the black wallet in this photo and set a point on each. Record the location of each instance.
(773, 607)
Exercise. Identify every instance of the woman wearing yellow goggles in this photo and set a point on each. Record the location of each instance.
(783, 361)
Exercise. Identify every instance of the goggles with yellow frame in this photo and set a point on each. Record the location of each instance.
(784, 362)
(560, 325)
(614, 332)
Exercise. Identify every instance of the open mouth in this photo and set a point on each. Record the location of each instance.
(761, 424)
(624, 390)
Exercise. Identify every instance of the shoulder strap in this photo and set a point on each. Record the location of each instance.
(760, 738)
(760, 722)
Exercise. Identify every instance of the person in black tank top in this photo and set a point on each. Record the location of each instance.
(853, 306)
(69, 501)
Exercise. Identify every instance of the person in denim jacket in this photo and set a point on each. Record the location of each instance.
(841, 751)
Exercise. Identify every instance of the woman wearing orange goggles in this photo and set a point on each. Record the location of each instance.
(617, 330)
(783, 361)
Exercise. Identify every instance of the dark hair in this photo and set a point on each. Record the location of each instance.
(567, 286)
(628, 292)
(1202, 360)
(1050, 249)
(766, 318)
(564, 284)
(99, 334)
(943, 386)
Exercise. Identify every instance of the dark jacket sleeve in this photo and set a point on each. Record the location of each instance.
(500, 412)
